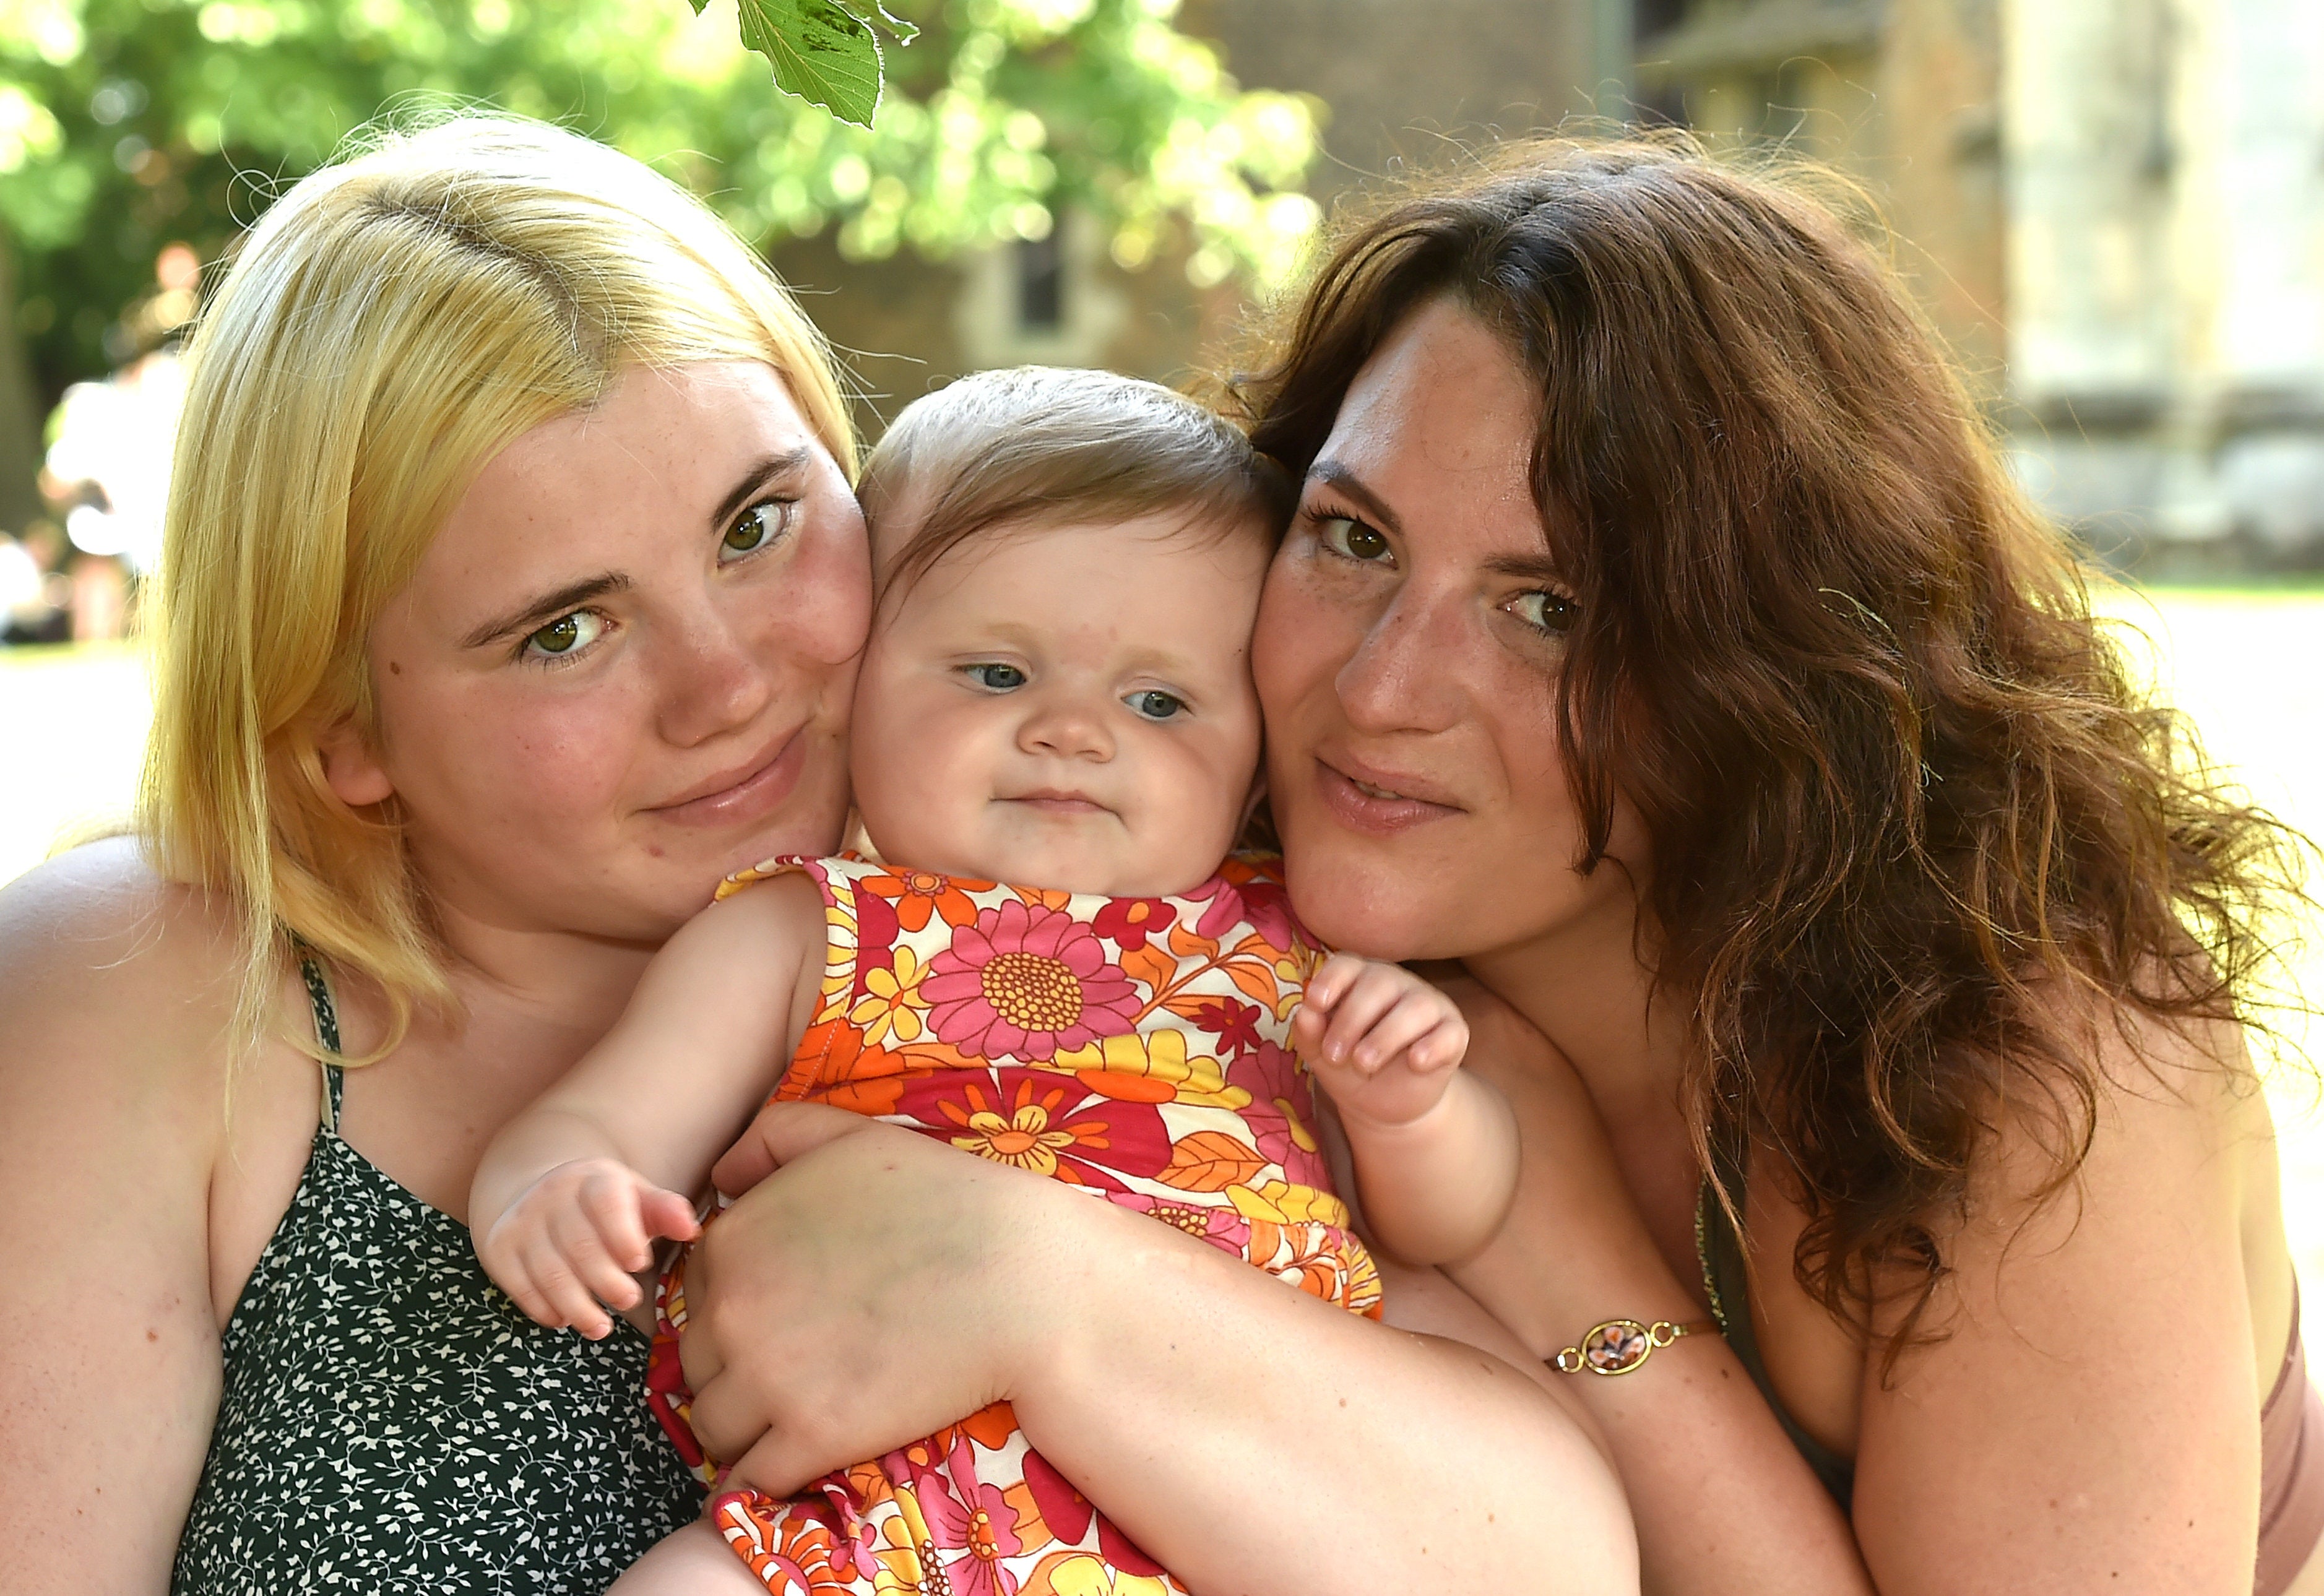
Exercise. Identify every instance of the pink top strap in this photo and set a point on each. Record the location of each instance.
(2291, 1470)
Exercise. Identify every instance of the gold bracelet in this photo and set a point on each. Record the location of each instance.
(1618, 1346)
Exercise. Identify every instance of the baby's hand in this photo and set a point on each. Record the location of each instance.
(1382, 1042)
(573, 1238)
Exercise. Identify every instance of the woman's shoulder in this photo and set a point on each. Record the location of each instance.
(98, 948)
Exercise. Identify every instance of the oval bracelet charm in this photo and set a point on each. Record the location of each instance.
(1618, 1346)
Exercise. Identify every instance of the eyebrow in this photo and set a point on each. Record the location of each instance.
(548, 607)
(756, 478)
(1338, 476)
(1527, 568)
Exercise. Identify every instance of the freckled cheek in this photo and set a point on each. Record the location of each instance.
(1301, 642)
(556, 766)
(823, 610)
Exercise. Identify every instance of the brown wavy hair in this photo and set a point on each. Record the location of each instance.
(1913, 822)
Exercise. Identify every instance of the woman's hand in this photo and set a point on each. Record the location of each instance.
(875, 1293)
(872, 1285)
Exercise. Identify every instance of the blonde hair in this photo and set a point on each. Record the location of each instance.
(393, 323)
(1039, 445)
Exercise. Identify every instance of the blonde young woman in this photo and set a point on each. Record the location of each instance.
(512, 593)
(513, 598)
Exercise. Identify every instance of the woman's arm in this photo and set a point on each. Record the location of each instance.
(1250, 1437)
(111, 1036)
(2084, 1419)
(2090, 1419)
(1723, 1502)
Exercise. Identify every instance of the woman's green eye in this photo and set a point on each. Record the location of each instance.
(760, 525)
(1353, 540)
(567, 634)
(1156, 705)
(995, 677)
(1552, 613)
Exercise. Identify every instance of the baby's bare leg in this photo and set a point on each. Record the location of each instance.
(692, 1560)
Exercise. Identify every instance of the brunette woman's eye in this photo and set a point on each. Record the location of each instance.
(565, 636)
(1552, 613)
(758, 526)
(995, 677)
(1351, 539)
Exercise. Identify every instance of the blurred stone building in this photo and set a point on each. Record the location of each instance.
(2115, 211)
(2112, 210)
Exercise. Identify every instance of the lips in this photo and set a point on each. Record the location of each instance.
(1059, 802)
(1378, 802)
(741, 795)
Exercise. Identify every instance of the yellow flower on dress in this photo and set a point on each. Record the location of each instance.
(1081, 1574)
(1159, 1057)
(892, 1006)
(1022, 1140)
(1285, 1203)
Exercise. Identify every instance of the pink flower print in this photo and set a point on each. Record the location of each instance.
(1219, 1225)
(968, 1517)
(1281, 1113)
(1026, 982)
(1261, 904)
(1128, 922)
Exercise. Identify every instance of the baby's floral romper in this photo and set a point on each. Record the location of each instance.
(1133, 1047)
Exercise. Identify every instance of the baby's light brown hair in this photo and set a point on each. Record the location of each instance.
(1033, 447)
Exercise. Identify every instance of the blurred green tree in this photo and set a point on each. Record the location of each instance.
(130, 125)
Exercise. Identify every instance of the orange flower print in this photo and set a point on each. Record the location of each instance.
(892, 1007)
(1025, 982)
(918, 893)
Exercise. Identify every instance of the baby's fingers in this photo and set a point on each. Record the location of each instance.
(584, 1251)
(1438, 1048)
(615, 1204)
(558, 1294)
(665, 1214)
(1360, 1010)
(1331, 982)
(1399, 1035)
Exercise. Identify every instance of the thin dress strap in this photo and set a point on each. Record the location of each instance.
(327, 1033)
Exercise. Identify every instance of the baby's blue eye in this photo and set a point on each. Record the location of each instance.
(995, 677)
(1156, 705)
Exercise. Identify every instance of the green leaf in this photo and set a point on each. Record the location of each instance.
(821, 51)
(904, 32)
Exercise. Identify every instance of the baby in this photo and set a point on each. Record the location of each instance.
(1056, 744)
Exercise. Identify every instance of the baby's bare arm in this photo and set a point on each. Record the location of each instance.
(1436, 1147)
(569, 1197)
(1434, 1189)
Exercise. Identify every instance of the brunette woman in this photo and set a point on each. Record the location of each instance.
(1662, 645)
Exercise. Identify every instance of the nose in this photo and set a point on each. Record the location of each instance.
(712, 681)
(1064, 724)
(1404, 675)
